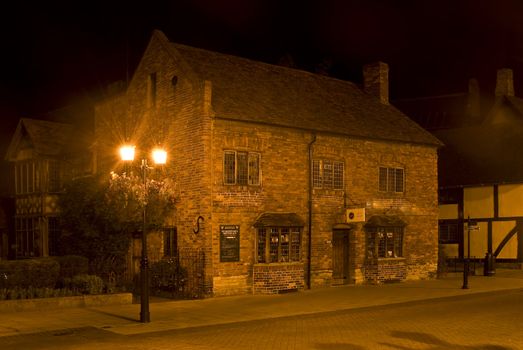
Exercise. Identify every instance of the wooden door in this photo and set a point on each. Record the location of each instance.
(340, 256)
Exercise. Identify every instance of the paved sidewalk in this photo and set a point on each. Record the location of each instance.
(168, 315)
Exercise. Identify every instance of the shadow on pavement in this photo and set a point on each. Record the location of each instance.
(437, 343)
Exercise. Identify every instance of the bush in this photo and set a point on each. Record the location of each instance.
(87, 284)
(36, 273)
(72, 265)
(167, 276)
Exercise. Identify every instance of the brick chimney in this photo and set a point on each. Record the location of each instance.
(505, 83)
(376, 80)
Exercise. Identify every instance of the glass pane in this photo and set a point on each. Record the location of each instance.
(338, 175)
(390, 243)
(382, 247)
(274, 244)
(242, 168)
(295, 245)
(254, 169)
(229, 165)
(316, 175)
(262, 239)
(391, 183)
(371, 249)
(398, 242)
(399, 180)
(383, 179)
(284, 244)
(327, 174)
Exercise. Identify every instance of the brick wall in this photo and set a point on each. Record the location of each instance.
(277, 278)
(179, 121)
(284, 163)
(385, 271)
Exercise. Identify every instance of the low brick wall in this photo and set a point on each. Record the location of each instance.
(277, 278)
(231, 285)
(385, 270)
(65, 302)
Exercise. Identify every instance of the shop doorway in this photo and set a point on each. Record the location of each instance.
(340, 257)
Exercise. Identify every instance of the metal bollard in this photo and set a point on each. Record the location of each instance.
(488, 266)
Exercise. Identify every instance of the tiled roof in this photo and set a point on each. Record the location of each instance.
(45, 137)
(48, 138)
(248, 90)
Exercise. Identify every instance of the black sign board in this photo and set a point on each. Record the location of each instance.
(229, 243)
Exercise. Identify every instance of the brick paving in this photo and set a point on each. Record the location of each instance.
(434, 314)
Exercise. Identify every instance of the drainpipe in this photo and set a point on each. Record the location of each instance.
(310, 213)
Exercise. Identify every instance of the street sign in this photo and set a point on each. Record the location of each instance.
(473, 226)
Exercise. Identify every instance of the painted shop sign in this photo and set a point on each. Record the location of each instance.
(229, 243)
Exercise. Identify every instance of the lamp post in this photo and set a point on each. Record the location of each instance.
(159, 157)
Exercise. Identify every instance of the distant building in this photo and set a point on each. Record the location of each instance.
(6, 226)
(480, 172)
(285, 179)
(42, 155)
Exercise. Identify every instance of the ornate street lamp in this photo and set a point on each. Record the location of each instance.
(159, 157)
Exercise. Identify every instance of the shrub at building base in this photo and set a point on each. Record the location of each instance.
(31, 273)
(86, 284)
(167, 278)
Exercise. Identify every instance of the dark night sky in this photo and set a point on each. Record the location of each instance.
(55, 55)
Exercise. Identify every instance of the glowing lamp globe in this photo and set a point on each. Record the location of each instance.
(127, 153)
(159, 156)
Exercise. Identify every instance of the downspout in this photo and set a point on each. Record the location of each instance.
(310, 213)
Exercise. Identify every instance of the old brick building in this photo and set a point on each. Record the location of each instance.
(300, 180)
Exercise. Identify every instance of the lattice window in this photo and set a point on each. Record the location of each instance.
(262, 245)
(295, 244)
(229, 167)
(27, 237)
(449, 232)
(391, 180)
(278, 244)
(254, 169)
(316, 174)
(327, 174)
(241, 168)
(274, 244)
(385, 242)
(338, 175)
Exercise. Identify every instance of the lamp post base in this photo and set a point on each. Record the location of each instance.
(145, 316)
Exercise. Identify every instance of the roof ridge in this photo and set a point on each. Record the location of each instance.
(261, 63)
